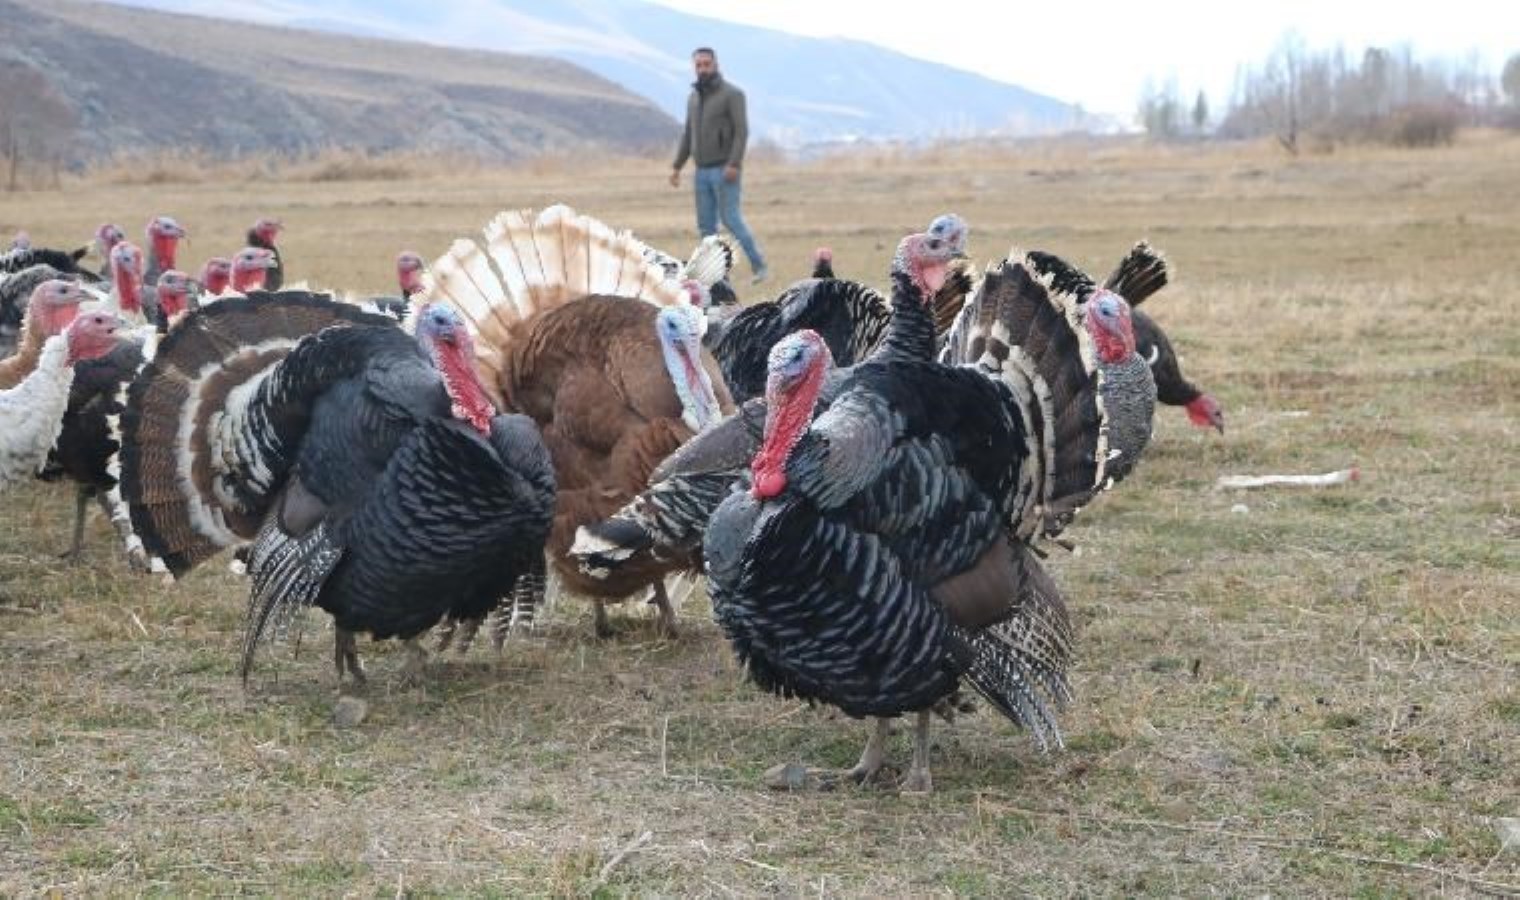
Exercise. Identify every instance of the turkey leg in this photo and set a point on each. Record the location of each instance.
(666, 623)
(346, 655)
(81, 504)
(875, 753)
(917, 780)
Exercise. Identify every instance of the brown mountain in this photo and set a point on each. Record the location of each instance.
(136, 80)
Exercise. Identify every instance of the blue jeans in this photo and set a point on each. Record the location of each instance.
(717, 199)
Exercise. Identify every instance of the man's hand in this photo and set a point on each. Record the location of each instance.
(675, 178)
(730, 173)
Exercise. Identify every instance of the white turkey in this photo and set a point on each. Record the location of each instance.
(880, 552)
(367, 466)
(31, 413)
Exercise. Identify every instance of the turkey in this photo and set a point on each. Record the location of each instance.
(367, 466)
(164, 235)
(581, 332)
(85, 443)
(851, 318)
(263, 234)
(1141, 273)
(708, 266)
(107, 236)
(823, 263)
(128, 297)
(65, 261)
(21, 241)
(880, 553)
(409, 271)
(216, 276)
(15, 291)
(666, 521)
(31, 413)
(51, 307)
(244, 273)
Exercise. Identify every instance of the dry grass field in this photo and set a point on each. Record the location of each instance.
(1317, 695)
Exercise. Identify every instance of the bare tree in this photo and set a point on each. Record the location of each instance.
(36, 123)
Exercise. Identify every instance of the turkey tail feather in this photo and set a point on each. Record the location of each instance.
(1142, 272)
(531, 264)
(190, 476)
(1021, 330)
(711, 262)
(288, 574)
(1020, 663)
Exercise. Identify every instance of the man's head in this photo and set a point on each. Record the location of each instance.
(705, 62)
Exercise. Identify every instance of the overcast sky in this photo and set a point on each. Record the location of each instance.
(1100, 53)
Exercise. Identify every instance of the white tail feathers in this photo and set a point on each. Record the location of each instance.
(710, 262)
(531, 264)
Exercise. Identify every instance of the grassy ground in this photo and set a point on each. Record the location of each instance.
(1315, 695)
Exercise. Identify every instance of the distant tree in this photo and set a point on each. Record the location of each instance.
(1200, 113)
(1160, 111)
(1510, 80)
(35, 122)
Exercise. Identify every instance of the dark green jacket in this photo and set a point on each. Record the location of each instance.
(717, 127)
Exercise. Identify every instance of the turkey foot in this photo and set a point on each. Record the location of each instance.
(346, 656)
(917, 781)
(415, 667)
(665, 624)
(872, 761)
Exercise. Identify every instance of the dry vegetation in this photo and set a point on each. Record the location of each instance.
(1317, 696)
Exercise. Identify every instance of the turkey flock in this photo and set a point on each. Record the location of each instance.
(866, 483)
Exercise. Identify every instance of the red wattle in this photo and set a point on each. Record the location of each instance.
(165, 248)
(768, 485)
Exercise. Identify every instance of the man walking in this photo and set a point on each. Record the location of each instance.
(716, 131)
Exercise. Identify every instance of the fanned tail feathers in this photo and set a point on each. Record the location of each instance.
(530, 264)
(1025, 332)
(174, 498)
(710, 262)
(1142, 272)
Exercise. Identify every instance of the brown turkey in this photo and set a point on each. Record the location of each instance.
(577, 329)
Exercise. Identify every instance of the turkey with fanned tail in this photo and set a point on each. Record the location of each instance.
(1141, 273)
(881, 551)
(366, 465)
(579, 330)
(665, 522)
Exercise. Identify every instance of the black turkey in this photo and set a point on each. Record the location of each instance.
(850, 317)
(86, 444)
(881, 551)
(667, 519)
(263, 235)
(367, 467)
(1141, 273)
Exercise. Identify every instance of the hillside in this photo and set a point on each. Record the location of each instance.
(801, 89)
(140, 80)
